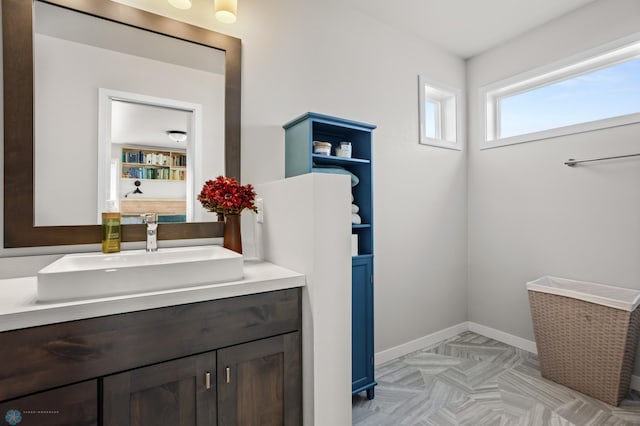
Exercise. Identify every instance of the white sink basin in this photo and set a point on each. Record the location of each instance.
(93, 275)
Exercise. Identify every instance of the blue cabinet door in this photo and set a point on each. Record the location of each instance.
(362, 325)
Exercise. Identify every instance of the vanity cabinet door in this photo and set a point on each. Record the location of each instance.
(259, 383)
(174, 393)
(69, 405)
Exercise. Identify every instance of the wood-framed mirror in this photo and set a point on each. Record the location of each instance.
(18, 75)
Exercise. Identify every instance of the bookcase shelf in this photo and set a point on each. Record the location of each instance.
(153, 164)
(332, 159)
(360, 225)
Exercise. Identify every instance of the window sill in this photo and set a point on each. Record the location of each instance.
(606, 123)
(440, 143)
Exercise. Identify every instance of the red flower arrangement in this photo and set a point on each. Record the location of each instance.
(226, 196)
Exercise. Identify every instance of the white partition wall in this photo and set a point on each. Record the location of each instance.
(307, 228)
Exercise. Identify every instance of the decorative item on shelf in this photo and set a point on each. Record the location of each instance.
(225, 196)
(134, 191)
(322, 148)
(344, 150)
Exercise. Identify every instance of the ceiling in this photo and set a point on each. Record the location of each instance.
(467, 27)
(147, 125)
(462, 27)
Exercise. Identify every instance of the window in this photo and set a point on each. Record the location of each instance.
(432, 127)
(439, 110)
(597, 90)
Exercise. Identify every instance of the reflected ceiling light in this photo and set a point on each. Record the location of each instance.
(226, 10)
(181, 4)
(177, 135)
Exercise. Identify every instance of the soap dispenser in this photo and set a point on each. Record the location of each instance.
(111, 229)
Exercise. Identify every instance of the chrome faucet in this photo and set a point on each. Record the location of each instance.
(151, 219)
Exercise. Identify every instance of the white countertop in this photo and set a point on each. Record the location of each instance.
(19, 308)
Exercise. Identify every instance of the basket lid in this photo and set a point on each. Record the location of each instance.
(614, 297)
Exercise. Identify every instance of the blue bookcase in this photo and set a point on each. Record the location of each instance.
(299, 159)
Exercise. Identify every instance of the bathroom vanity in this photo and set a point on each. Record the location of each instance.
(223, 354)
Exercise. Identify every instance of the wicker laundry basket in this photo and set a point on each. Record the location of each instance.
(586, 334)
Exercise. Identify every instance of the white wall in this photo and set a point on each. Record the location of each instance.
(307, 228)
(325, 57)
(529, 214)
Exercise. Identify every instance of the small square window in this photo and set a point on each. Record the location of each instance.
(439, 108)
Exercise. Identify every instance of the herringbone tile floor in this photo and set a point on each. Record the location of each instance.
(476, 381)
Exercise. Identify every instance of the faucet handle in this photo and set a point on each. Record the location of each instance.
(149, 218)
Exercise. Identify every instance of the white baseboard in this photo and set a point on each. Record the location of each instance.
(420, 343)
(438, 336)
(501, 336)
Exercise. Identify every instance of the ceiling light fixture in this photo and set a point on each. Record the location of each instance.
(226, 10)
(177, 135)
(181, 4)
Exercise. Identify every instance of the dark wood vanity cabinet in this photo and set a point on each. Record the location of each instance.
(233, 361)
(253, 384)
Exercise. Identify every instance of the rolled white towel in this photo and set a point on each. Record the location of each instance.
(352, 199)
(355, 218)
(354, 208)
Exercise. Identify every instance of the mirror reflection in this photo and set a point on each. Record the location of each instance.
(105, 91)
(146, 153)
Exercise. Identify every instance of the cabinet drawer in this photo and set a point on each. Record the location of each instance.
(54, 355)
(70, 405)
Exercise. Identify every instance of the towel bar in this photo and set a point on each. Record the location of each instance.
(572, 162)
